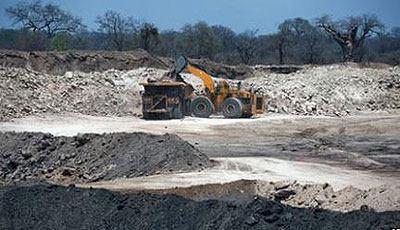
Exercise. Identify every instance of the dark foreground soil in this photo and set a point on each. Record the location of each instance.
(91, 157)
(46, 206)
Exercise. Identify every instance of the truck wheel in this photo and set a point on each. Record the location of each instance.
(186, 106)
(177, 112)
(232, 108)
(146, 116)
(247, 115)
(156, 116)
(202, 107)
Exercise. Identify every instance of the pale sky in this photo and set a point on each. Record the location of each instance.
(239, 15)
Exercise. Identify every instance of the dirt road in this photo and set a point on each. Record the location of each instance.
(361, 150)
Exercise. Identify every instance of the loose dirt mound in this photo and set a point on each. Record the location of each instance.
(383, 198)
(91, 157)
(54, 207)
(329, 90)
(110, 93)
(58, 63)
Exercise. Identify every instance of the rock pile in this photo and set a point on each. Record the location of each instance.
(110, 93)
(91, 157)
(334, 90)
(54, 207)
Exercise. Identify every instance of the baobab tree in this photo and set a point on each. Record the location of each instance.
(351, 33)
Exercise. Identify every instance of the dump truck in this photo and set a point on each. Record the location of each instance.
(172, 97)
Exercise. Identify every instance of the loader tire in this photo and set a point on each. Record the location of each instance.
(232, 108)
(202, 107)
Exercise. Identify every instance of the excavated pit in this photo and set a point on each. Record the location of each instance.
(101, 83)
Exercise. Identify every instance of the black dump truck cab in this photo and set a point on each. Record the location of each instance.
(166, 100)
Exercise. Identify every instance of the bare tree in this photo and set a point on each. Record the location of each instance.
(148, 34)
(395, 32)
(117, 28)
(351, 33)
(225, 48)
(305, 36)
(198, 40)
(48, 18)
(168, 44)
(246, 45)
(283, 38)
(225, 36)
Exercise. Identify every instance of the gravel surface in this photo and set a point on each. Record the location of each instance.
(92, 157)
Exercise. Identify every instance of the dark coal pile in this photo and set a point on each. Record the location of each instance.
(54, 207)
(92, 157)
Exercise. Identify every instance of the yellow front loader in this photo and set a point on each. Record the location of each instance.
(218, 96)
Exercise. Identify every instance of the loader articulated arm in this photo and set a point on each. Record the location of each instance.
(183, 63)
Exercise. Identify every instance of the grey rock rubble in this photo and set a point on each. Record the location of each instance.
(334, 90)
(111, 93)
